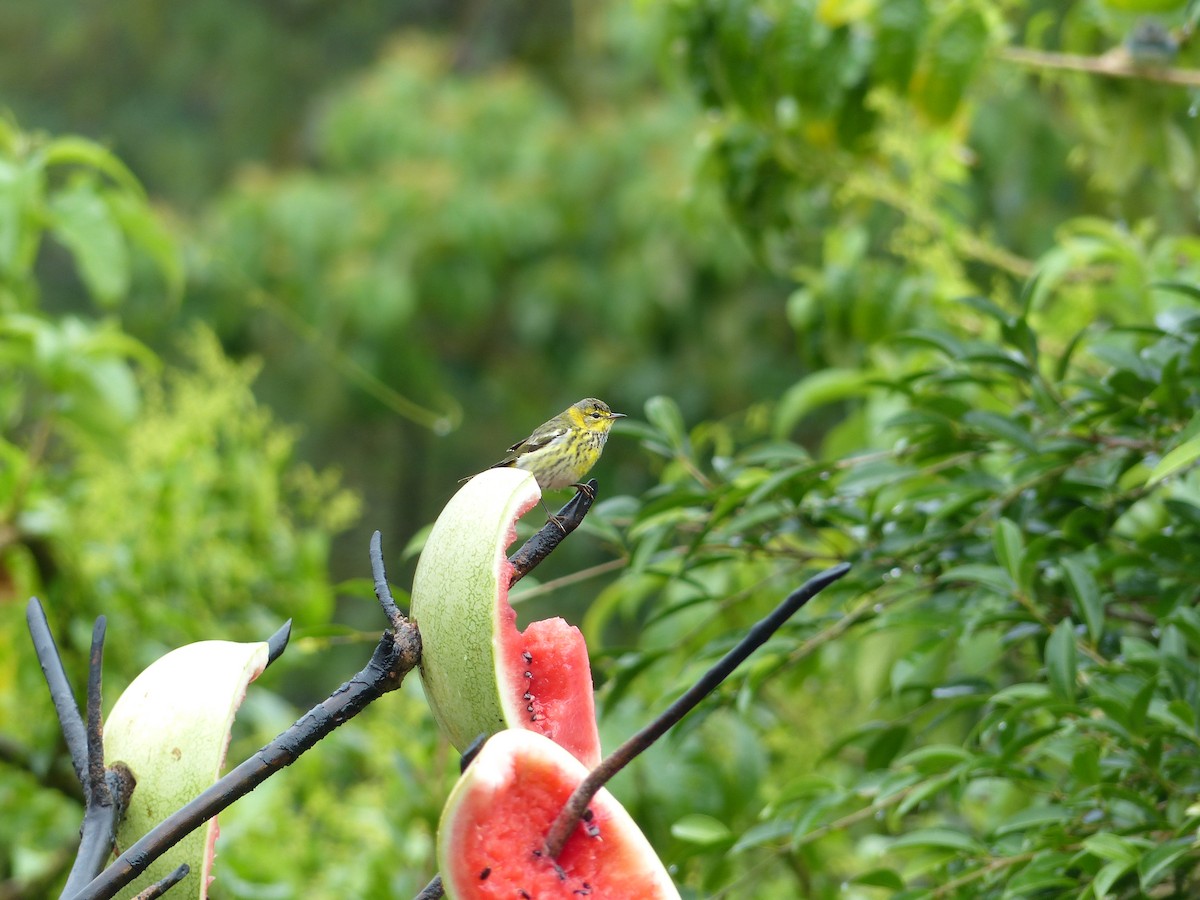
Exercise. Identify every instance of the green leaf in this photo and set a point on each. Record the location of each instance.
(702, 830)
(1009, 547)
(770, 832)
(1033, 817)
(76, 151)
(1187, 288)
(992, 577)
(1044, 873)
(882, 750)
(881, 878)
(1108, 875)
(1158, 861)
(938, 340)
(21, 189)
(935, 757)
(939, 838)
(1140, 705)
(1002, 428)
(663, 413)
(818, 389)
(1060, 659)
(1174, 461)
(146, 230)
(926, 789)
(1087, 595)
(82, 220)
(1112, 848)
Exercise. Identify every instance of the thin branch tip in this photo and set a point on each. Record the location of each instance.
(278, 642)
(571, 814)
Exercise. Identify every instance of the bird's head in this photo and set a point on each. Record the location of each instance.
(593, 415)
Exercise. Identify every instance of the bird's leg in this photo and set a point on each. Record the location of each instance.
(585, 489)
(557, 520)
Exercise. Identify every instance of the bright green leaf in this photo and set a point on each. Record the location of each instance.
(1175, 461)
(1009, 547)
(1158, 862)
(992, 577)
(1087, 595)
(705, 831)
(940, 838)
(83, 221)
(1112, 848)
(881, 878)
(663, 413)
(819, 389)
(1002, 428)
(1060, 659)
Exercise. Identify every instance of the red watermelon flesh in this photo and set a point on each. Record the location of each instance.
(549, 681)
(496, 819)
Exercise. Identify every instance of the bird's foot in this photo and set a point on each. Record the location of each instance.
(585, 489)
(557, 520)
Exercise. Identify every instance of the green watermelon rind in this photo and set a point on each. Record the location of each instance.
(171, 727)
(472, 666)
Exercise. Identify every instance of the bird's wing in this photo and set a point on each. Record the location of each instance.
(544, 435)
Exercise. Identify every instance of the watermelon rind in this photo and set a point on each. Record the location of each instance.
(171, 728)
(478, 671)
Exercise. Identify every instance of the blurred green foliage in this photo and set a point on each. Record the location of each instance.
(427, 279)
(159, 494)
(891, 282)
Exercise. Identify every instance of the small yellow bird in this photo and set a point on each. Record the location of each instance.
(561, 451)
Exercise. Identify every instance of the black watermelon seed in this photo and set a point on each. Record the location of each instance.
(485, 873)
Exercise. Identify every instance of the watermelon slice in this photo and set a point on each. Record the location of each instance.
(481, 675)
(495, 821)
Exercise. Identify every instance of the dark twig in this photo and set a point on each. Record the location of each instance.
(106, 791)
(472, 751)
(60, 689)
(163, 885)
(576, 806)
(278, 642)
(434, 890)
(96, 789)
(551, 535)
(382, 592)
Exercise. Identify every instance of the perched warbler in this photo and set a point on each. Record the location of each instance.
(561, 451)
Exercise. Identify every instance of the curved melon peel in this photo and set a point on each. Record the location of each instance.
(480, 674)
(495, 821)
(171, 728)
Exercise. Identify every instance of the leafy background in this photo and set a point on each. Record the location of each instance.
(899, 283)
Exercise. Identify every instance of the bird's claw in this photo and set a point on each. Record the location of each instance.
(585, 489)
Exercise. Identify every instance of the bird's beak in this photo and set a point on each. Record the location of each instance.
(613, 415)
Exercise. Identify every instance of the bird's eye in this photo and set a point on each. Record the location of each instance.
(595, 415)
